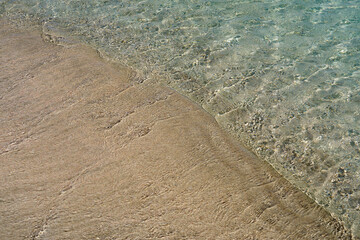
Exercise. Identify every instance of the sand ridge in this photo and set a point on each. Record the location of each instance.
(90, 152)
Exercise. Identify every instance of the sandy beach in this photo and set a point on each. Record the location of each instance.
(91, 150)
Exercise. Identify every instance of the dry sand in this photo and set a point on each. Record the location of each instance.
(90, 152)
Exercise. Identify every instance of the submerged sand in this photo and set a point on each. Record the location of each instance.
(91, 151)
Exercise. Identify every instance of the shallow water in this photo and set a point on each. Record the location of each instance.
(284, 76)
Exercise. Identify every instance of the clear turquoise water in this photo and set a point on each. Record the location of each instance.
(284, 76)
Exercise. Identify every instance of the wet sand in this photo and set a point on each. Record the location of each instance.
(90, 150)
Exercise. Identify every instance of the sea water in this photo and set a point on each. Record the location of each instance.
(283, 76)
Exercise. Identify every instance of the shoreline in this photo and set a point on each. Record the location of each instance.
(99, 113)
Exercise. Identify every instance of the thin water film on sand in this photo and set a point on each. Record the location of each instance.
(284, 76)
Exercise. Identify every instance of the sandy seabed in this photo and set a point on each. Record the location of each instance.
(90, 152)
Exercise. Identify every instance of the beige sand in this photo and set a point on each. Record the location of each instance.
(89, 152)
